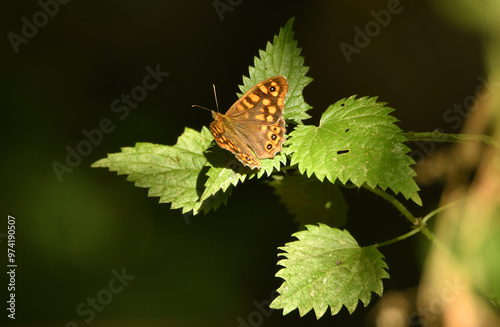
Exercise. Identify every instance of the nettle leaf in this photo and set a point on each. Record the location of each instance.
(327, 268)
(310, 200)
(224, 171)
(192, 179)
(227, 171)
(282, 57)
(171, 172)
(356, 140)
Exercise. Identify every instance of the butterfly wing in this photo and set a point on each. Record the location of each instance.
(228, 138)
(254, 121)
(258, 116)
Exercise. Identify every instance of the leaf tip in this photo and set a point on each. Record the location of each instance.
(101, 163)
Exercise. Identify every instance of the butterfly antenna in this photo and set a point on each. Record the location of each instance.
(216, 103)
(215, 95)
(195, 105)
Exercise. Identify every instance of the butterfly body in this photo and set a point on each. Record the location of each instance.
(254, 127)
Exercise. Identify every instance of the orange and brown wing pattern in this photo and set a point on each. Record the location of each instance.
(254, 124)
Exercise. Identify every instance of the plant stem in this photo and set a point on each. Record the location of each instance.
(437, 136)
(419, 223)
(397, 239)
(438, 210)
(392, 200)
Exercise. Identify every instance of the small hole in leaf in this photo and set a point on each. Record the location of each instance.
(342, 151)
(347, 130)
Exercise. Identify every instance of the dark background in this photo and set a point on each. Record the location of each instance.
(202, 270)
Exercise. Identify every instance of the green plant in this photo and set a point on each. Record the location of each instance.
(356, 144)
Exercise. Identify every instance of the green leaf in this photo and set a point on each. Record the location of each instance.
(327, 268)
(174, 173)
(225, 171)
(193, 180)
(282, 57)
(310, 200)
(356, 140)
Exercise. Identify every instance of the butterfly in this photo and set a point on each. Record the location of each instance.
(254, 127)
